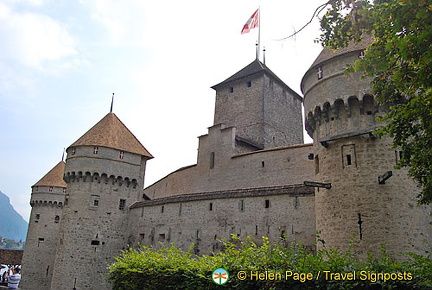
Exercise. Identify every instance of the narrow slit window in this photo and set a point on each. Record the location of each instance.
(95, 150)
(348, 159)
(231, 89)
(121, 156)
(212, 160)
(211, 206)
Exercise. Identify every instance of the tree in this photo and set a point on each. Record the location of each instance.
(399, 61)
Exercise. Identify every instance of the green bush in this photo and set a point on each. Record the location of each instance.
(171, 268)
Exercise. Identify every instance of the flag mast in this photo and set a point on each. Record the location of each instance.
(259, 34)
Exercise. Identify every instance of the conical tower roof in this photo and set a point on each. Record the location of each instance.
(54, 177)
(112, 133)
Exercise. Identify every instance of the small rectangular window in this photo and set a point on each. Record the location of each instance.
(50, 189)
(267, 203)
(162, 209)
(320, 72)
(122, 204)
(96, 202)
(37, 217)
(95, 150)
(95, 243)
(121, 155)
(361, 54)
(231, 89)
(73, 151)
(212, 160)
(211, 206)
(249, 84)
(348, 158)
(57, 219)
(241, 205)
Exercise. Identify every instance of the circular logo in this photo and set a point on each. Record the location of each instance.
(220, 276)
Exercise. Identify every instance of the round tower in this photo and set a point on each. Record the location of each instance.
(47, 199)
(104, 173)
(369, 202)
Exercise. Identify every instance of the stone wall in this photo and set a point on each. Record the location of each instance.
(42, 237)
(219, 169)
(284, 214)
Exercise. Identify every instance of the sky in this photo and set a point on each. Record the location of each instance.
(61, 60)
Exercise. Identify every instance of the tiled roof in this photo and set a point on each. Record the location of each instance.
(328, 53)
(54, 177)
(112, 133)
(253, 68)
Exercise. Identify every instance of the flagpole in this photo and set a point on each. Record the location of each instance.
(259, 33)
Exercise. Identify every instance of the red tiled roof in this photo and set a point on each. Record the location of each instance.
(54, 177)
(112, 133)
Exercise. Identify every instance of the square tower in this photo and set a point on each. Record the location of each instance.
(264, 110)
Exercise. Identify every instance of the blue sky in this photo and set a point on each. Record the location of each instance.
(61, 60)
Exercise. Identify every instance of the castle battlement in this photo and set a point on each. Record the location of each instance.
(99, 178)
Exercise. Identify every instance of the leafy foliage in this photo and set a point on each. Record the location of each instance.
(171, 268)
(399, 63)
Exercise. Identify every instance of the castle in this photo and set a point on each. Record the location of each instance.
(249, 180)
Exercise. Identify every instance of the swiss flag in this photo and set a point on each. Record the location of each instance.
(252, 22)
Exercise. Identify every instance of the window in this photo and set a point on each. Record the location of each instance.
(37, 217)
(231, 89)
(162, 209)
(211, 206)
(40, 240)
(267, 203)
(320, 72)
(249, 84)
(262, 164)
(95, 243)
(57, 219)
(73, 151)
(241, 205)
(95, 150)
(361, 54)
(212, 160)
(122, 204)
(141, 237)
(348, 158)
(121, 155)
(94, 202)
(64, 189)
(50, 189)
(316, 164)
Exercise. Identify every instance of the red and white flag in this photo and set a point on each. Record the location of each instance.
(252, 22)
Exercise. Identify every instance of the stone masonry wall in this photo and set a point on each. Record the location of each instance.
(272, 167)
(42, 237)
(283, 213)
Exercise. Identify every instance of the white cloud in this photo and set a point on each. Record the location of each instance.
(33, 40)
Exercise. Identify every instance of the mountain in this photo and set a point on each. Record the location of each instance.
(12, 224)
